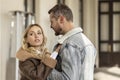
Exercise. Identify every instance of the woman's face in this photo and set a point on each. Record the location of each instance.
(35, 36)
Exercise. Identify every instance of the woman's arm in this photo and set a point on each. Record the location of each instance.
(34, 69)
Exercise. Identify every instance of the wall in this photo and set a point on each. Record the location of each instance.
(0, 44)
(42, 17)
(6, 7)
(74, 6)
(90, 24)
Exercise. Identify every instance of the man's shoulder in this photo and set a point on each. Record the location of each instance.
(79, 40)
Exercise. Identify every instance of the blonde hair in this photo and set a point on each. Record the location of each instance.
(26, 46)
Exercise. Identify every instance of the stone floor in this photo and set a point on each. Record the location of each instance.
(112, 73)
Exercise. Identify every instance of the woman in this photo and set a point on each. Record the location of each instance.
(35, 62)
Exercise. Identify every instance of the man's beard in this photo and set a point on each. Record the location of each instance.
(58, 32)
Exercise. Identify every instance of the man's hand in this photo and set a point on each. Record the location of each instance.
(58, 47)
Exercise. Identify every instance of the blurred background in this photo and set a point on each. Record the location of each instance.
(100, 20)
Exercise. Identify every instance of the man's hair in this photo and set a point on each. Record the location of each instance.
(62, 9)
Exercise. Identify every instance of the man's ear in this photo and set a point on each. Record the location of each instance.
(61, 19)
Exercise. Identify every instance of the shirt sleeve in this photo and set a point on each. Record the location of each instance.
(54, 55)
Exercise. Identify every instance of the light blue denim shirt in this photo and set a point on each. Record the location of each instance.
(77, 57)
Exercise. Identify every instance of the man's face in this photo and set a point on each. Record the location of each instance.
(55, 25)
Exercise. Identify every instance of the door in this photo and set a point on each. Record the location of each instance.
(109, 32)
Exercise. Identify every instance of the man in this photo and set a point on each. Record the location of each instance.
(77, 54)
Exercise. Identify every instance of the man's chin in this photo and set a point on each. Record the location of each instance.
(56, 34)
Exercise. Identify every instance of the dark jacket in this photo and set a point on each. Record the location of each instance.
(33, 69)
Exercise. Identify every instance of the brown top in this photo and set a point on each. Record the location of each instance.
(23, 55)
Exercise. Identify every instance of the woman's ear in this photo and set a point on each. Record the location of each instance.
(26, 40)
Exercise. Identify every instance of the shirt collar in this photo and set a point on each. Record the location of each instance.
(69, 33)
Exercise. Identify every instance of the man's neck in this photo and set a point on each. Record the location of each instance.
(69, 26)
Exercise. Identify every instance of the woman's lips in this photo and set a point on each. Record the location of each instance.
(37, 40)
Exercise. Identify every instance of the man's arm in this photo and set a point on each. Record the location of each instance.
(71, 64)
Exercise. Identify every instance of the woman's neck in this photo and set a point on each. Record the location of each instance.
(37, 48)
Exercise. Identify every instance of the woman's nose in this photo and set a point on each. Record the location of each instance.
(36, 35)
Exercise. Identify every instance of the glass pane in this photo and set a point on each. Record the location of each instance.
(116, 27)
(116, 6)
(104, 47)
(116, 47)
(104, 27)
(104, 7)
(16, 30)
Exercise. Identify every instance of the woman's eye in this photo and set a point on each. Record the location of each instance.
(39, 33)
(31, 34)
